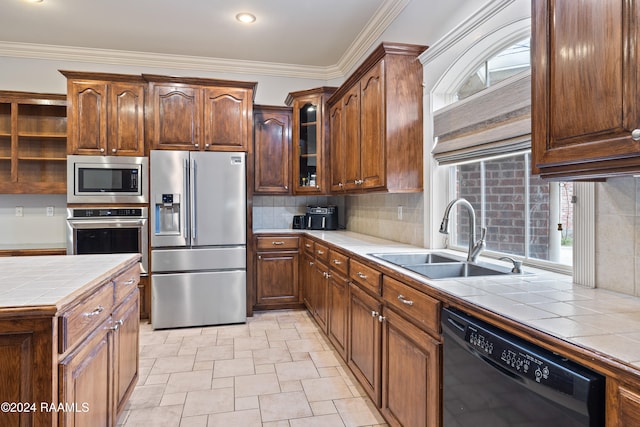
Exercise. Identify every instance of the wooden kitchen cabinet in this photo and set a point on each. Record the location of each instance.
(320, 291)
(306, 275)
(186, 113)
(411, 356)
(376, 124)
(623, 404)
(338, 301)
(126, 349)
(310, 140)
(106, 113)
(272, 139)
(585, 95)
(277, 284)
(364, 345)
(33, 143)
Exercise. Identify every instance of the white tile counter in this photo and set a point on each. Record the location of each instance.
(599, 320)
(52, 281)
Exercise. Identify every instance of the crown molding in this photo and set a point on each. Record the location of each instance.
(384, 16)
(178, 62)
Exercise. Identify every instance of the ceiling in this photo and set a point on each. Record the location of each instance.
(326, 34)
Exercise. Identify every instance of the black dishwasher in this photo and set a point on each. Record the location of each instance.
(495, 379)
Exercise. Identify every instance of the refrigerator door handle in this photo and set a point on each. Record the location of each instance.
(184, 211)
(192, 201)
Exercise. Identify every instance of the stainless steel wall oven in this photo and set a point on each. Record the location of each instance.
(108, 230)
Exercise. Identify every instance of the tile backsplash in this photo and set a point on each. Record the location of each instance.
(278, 211)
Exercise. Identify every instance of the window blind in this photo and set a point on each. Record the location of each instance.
(493, 122)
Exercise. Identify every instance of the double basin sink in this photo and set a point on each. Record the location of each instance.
(440, 266)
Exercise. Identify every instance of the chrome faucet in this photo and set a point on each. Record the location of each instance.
(475, 247)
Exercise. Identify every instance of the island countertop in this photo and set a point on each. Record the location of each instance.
(49, 283)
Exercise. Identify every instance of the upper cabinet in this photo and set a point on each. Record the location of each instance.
(199, 114)
(585, 91)
(310, 140)
(33, 143)
(376, 124)
(272, 138)
(106, 113)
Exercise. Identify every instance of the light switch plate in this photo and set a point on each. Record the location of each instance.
(19, 211)
(50, 211)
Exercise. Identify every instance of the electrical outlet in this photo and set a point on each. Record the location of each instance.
(50, 211)
(19, 211)
(399, 213)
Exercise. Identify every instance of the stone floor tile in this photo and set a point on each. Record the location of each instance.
(253, 385)
(208, 402)
(248, 418)
(326, 389)
(168, 365)
(189, 381)
(323, 408)
(197, 421)
(271, 355)
(249, 402)
(159, 416)
(233, 367)
(146, 396)
(282, 406)
(358, 411)
(169, 399)
(332, 420)
(218, 352)
(296, 370)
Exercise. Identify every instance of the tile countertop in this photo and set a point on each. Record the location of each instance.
(600, 320)
(52, 281)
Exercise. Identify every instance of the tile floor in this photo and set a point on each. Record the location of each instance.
(277, 370)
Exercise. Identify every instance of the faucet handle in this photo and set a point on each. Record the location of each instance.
(517, 265)
(483, 234)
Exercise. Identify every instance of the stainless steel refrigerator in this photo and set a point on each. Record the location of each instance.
(198, 238)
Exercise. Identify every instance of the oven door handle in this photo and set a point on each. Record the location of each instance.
(120, 223)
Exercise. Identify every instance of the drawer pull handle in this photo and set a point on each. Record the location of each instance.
(320, 252)
(405, 301)
(361, 275)
(635, 135)
(374, 314)
(99, 309)
(337, 262)
(277, 243)
(129, 282)
(117, 325)
(306, 245)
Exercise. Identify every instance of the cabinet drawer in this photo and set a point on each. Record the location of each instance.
(339, 262)
(126, 283)
(416, 305)
(277, 242)
(308, 245)
(322, 253)
(365, 276)
(81, 320)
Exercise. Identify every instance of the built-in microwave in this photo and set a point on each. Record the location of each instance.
(107, 179)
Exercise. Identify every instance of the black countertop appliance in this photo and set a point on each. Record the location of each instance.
(321, 218)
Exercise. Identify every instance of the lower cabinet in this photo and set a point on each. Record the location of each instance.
(623, 404)
(363, 353)
(410, 373)
(306, 285)
(338, 302)
(319, 289)
(277, 282)
(126, 330)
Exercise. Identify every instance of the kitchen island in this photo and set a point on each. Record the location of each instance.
(68, 338)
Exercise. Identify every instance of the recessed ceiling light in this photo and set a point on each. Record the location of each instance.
(34, 1)
(246, 18)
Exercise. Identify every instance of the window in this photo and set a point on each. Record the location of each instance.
(509, 62)
(524, 215)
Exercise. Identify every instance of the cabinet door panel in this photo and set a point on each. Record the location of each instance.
(584, 87)
(227, 118)
(410, 374)
(176, 121)
(337, 147)
(85, 380)
(277, 278)
(372, 128)
(320, 295)
(363, 355)
(126, 119)
(126, 317)
(88, 120)
(338, 311)
(351, 138)
(272, 145)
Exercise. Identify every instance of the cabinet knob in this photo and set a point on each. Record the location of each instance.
(102, 150)
(635, 135)
(113, 150)
(340, 184)
(374, 314)
(381, 318)
(196, 145)
(286, 187)
(206, 145)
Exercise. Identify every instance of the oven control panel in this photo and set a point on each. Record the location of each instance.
(107, 213)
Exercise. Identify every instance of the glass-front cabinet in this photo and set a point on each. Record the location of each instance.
(310, 140)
